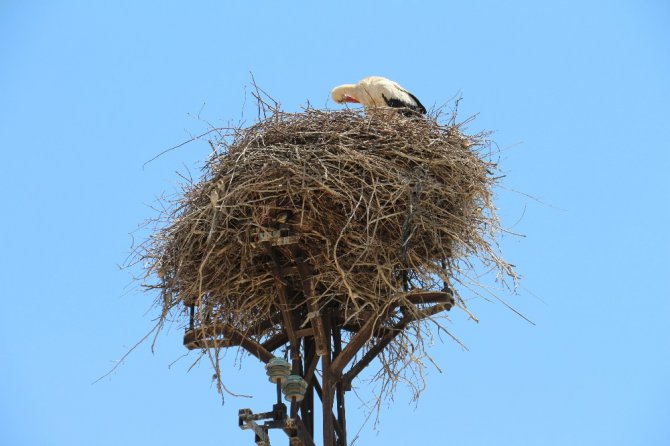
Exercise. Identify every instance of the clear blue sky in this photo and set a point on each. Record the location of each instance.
(577, 93)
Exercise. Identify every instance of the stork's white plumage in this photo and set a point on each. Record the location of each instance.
(376, 91)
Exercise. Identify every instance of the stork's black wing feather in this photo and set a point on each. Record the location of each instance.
(419, 106)
(397, 103)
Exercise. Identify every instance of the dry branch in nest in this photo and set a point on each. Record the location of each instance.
(379, 206)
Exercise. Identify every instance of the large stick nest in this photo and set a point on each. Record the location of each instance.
(382, 205)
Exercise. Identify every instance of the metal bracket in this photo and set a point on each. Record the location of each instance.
(279, 237)
(247, 420)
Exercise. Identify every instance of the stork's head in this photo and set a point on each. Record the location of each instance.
(345, 93)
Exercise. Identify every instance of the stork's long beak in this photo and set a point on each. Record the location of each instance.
(353, 100)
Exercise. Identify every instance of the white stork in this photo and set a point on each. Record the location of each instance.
(376, 91)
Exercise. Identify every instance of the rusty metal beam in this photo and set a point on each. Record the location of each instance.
(339, 390)
(356, 342)
(327, 388)
(198, 338)
(305, 272)
(431, 297)
(276, 341)
(386, 339)
(287, 314)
